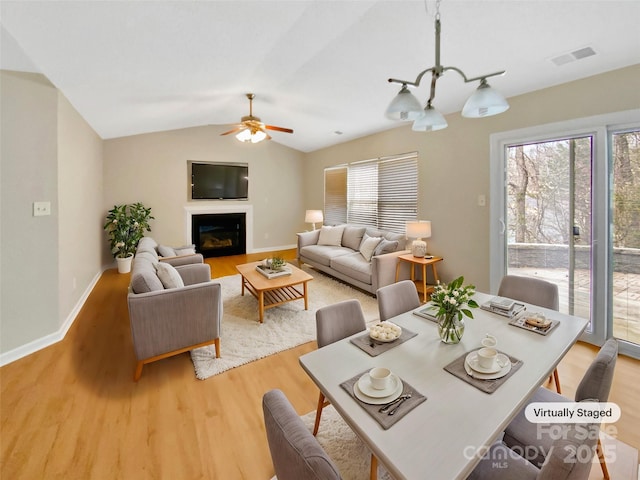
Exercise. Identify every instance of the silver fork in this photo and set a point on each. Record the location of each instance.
(398, 405)
(385, 408)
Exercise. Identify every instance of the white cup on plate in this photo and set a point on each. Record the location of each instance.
(489, 341)
(380, 377)
(487, 357)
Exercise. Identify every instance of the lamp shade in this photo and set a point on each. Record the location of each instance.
(313, 216)
(429, 121)
(484, 102)
(404, 106)
(419, 229)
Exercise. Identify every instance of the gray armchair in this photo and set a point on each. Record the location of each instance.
(169, 321)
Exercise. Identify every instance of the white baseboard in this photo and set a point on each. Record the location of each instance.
(47, 340)
(271, 249)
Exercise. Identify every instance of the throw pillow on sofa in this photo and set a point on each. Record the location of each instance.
(386, 246)
(368, 246)
(165, 251)
(169, 276)
(186, 250)
(352, 237)
(331, 236)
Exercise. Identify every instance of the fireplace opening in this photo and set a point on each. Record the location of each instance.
(219, 234)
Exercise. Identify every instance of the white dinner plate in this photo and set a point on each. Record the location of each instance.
(364, 383)
(387, 340)
(377, 401)
(472, 361)
(488, 376)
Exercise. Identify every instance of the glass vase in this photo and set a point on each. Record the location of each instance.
(450, 328)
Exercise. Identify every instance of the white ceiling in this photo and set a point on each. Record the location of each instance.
(316, 66)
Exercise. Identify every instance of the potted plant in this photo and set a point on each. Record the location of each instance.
(126, 225)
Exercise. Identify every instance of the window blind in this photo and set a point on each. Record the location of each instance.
(382, 193)
(335, 195)
(397, 192)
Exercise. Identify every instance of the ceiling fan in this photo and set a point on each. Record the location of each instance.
(251, 129)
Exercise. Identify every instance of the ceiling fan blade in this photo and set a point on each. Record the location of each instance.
(278, 129)
(237, 129)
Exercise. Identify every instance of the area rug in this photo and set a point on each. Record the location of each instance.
(350, 455)
(244, 339)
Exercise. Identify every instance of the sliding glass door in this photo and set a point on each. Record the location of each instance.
(565, 207)
(549, 217)
(625, 271)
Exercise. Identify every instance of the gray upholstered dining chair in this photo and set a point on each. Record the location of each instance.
(569, 457)
(595, 385)
(524, 436)
(397, 298)
(536, 292)
(295, 453)
(333, 323)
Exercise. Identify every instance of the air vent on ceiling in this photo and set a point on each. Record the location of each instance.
(575, 55)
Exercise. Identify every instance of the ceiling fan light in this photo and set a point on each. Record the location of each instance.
(430, 121)
(258, 136)
(484, 102)
(244, 135)
(405, 106)
(248, 136)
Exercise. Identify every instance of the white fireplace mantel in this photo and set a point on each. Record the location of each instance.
(191, 210)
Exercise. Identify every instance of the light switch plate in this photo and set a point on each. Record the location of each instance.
(41, 209)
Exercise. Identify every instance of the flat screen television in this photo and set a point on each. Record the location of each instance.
(219, 181)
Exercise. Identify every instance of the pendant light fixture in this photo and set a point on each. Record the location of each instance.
(484, 102)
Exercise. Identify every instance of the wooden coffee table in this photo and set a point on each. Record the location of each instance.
(272, 292)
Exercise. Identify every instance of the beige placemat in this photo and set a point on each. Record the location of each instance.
(375, 348)
(384, 419)
(488, 386)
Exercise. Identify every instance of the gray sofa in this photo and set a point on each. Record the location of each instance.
(174, 306)
(347, 255)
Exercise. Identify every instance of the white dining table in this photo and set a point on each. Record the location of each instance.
(445, 436)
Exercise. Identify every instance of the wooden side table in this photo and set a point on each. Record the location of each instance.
(422, 286)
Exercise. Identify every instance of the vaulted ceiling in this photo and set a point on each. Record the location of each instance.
(316, 66)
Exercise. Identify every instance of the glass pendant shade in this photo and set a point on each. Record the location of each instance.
(484, 102)
(429, 121)
(405, 106)
(253, 137)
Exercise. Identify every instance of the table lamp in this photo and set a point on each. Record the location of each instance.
(419, 230)
(313, 217)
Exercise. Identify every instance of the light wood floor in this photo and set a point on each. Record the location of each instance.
(72, 410)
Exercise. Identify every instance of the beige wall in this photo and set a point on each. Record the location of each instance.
(48, 263)
(80, 205)
(48, 152)
(152, 169)
(454, 163)
(29, 248)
